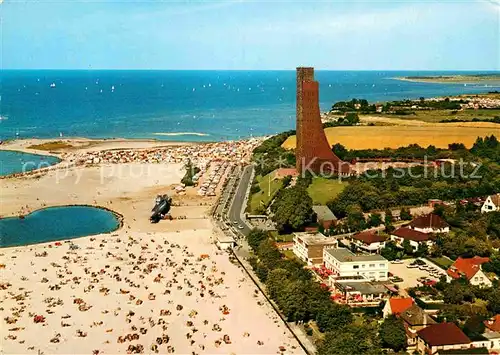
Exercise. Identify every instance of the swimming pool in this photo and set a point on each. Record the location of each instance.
(56, 223)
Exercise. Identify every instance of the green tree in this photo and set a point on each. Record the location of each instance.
(340, 151)
(268, 253)
(405, 214)
(408, 249)
(391, 251)
(494, 300)
(255, 237)
(374, 220)
(388, 218)
(275, 282)
(191, 171)
(333, 316)
(351, 340)
(292, 209)
(474, 326)
(392, 333)
(355, 218)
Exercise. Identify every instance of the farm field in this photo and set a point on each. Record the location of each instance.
(379, 137)
(323, 190)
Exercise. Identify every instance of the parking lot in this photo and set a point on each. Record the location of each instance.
(411, 275)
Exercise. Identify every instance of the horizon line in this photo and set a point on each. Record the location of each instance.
(256, 70)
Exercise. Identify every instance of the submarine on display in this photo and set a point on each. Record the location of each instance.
(161, 208)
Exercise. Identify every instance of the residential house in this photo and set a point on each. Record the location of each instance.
(324, 216)
(308, 247)
(284, 172)
(441, 336)
(369, 241)
(344, 263)
(470, 268)
(396, 305)
(491, 334)
(491, 204)
(429, 223)
(415, 237)
(493, 323)
(356, 291)
(414, 319)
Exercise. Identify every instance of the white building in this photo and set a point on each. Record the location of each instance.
(414, 237)
(369, 241)
(470, 268)
(491, 204)
(309, 247)
(343, 263)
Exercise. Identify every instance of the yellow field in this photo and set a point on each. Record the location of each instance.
(379, 137)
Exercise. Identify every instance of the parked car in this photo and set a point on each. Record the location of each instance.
(397, 261)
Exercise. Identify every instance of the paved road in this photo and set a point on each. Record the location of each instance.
(239, 198)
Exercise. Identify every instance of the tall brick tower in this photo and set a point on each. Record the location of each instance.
(312, 149)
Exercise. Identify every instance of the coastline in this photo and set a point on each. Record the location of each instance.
(121, 263)
(459, 80)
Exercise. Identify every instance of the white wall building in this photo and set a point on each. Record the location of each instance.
(344, 263)
(491, 204)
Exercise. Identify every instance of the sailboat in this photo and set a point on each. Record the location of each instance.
(53, 85)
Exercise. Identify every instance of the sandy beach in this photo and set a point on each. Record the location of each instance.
(145, 288)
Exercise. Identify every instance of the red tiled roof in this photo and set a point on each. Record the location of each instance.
(282, 172)
(466, 266)
(443, 334)
(410, 234)
(430, 220)
(369, 237)
(493, 323)
(399, 305)
(495, 199)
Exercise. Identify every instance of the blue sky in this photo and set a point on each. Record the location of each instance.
(340, 35)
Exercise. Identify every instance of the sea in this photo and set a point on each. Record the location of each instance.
(185, 105)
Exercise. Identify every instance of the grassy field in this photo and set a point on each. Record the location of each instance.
(379, 137)
(435, 116)
(281, 237)
(443, 262)
(264, 196)
(323, 190)
(51, 146)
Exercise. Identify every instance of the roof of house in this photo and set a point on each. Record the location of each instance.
(443, 334)
(282, 172)
(415, 315)
(369, 237)
(493, 324)
(467, 267)
(410, 234)
(314, 238)
(430, 220)
(345, 255)
(324, 213)
(495, 199)
(399, 305)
